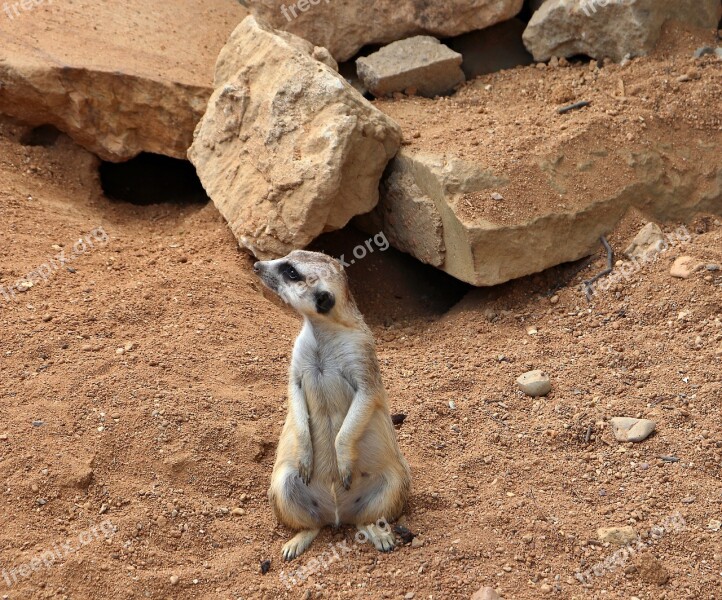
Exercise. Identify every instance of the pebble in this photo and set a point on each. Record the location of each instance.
(684, 267)
(534, 383)
(42, 501)
(409, 596)
(174, 579)
(545, 588)
(485, 593)
(554, 299)
(620, 536)
(3, 437)
(627, 429)
(714, 525)
(497, 196)
(417, 543)
(713, 267)
(238, 512)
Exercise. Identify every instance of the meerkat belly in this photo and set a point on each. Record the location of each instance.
(329, 397)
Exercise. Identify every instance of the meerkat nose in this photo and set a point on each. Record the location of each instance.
(257, 267)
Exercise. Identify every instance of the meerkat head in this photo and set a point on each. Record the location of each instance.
(314, 284)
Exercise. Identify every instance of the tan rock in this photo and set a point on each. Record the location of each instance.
(421, 63)
(685, 266)
(610, 28)
(649, 240)
(287, 148)
(345, 27)
(119, 77)
(427, 208)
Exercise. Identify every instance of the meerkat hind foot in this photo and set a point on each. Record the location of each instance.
(381, 537)
(299, 543)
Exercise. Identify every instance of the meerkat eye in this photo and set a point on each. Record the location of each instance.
(290, 273)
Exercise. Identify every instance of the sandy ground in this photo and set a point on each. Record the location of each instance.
(142, 392)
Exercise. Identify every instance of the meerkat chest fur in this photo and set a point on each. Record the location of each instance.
(324, 365)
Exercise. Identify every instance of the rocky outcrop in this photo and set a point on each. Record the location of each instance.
(423, 209)
(610, 28)
(119, 78)
(288, 149)
(345, 26)
(418, 65)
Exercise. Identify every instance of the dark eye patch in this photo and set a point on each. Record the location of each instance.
(289, 272)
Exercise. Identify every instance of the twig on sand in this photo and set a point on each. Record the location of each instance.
(575, 106)
(610, 266)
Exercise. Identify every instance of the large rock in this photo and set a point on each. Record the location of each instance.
(420, 63)
(610, 28)
(344, 26)
(118, 77)
(422, 211)
(288, 149)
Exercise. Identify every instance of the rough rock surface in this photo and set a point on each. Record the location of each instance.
(685, 266)
(422, 210)
(420, 63)
(287, 149)
(136, 76)
(628, 429)
(345, 27)
(610, 28)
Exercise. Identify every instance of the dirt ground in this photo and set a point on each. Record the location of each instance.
(142, 392)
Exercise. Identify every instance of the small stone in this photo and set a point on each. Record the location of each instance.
(409, 595)
(497, 196)
(119, 351)
(532, 330)
(648, 240)
(714, 525)
(545, 588)
(534, 383)
(417, 543)
(23, 286)
(452, 405)
(47, 318)
(238, 512)
(712, 267)
(3, 437)
(684, 267)
(174, 579)
(627, 429)
(688, 500)
(618, 536)
(103, 509)
(265, 566)
(35, 489)
(554, 299)
(42, 501)
(485, 593)
(129, 346)
(38, 423)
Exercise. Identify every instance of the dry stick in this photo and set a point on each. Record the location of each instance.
(576, 105)
(610, 266)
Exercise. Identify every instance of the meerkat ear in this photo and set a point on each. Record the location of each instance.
(324, 302)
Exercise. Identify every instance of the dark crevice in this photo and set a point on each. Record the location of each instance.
(390, 285)
(43, 135)
(152, 179)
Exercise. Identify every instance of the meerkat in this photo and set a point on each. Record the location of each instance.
(338, 460)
